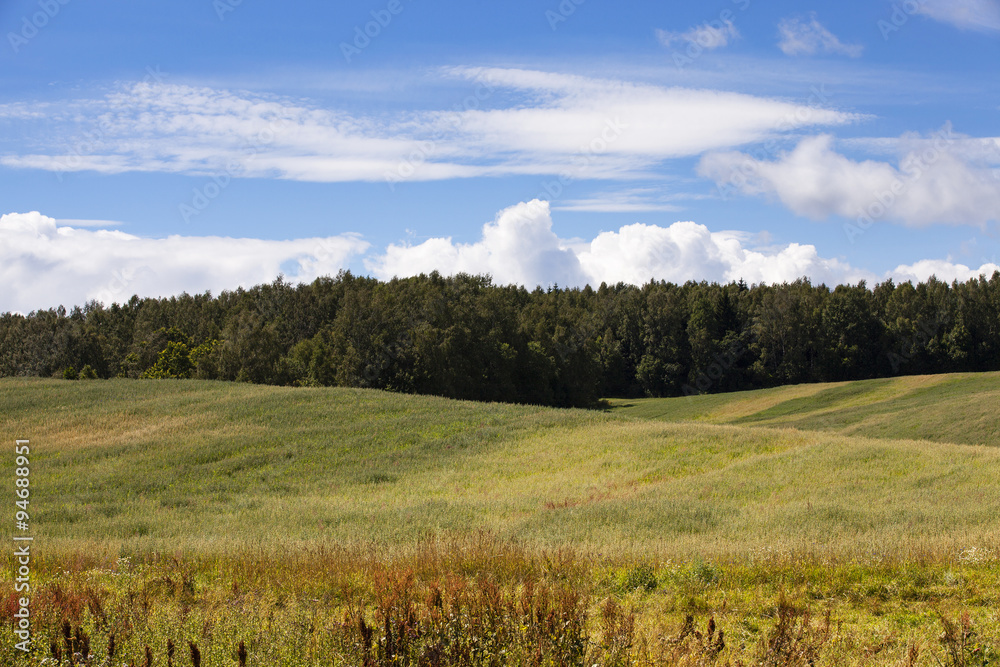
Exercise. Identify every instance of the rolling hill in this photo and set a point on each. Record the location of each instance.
(887, 465)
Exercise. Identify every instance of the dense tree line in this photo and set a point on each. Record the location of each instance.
(464, 337)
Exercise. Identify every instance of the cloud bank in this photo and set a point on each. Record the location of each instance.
(520, 247)
(43, 264)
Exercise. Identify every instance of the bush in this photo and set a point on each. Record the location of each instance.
(88, 373)
(70, 374)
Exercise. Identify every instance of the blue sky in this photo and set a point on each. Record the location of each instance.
(194, 145)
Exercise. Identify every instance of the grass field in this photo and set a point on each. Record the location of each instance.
(214, 512)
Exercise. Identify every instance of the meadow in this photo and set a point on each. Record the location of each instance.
(849, 523)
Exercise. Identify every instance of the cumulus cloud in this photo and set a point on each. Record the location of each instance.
(712, 35)
(543, 123)
(520, 247)
(937, 181)
(942, 269)
(44, 264)
(982, 15)
(800, 37)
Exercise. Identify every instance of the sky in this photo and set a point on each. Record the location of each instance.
(159, 147)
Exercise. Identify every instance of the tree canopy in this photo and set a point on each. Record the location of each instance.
(464, 337)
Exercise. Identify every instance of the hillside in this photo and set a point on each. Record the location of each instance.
(887, 465)
(957, 408)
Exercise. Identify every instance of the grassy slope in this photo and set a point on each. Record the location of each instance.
(171, 465)
(959, 408)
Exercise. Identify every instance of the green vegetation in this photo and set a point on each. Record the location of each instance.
(320, 525)
(957, 408)
(464, 337)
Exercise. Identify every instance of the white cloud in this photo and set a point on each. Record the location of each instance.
(543, 124)
(935, 182)
(981, 15)
(634, 200)
(712, 35)
(944, 270)
(520, 247)
(80, 222)
(594, 118)
(43, 264)
(800, 37)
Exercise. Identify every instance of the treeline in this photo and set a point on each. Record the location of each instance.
(464, 337)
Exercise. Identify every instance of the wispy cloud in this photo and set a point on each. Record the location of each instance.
(548, 123)
(983, 15)
(706, 35)
(80, 222)
(632, 200)
(807, 37)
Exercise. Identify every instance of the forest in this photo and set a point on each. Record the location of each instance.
(465, 337)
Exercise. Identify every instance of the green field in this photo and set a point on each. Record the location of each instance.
(878, 501)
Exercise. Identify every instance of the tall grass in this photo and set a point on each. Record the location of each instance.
(221, 524)
(482, 600)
